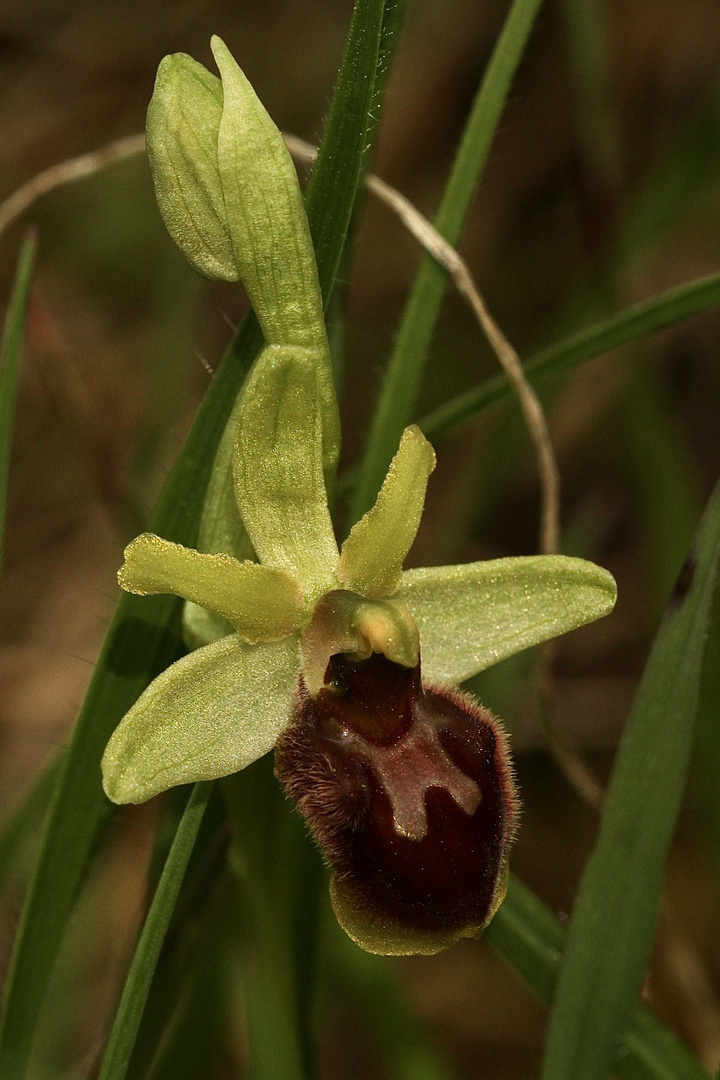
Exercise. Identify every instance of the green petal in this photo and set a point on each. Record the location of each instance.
(262, 604)
(278, 468)
(210, 714)
(182, 128)
(472, 615)
(373, 554)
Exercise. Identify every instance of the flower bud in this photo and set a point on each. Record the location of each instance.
(228, 192)
(409, 791)
(182, 132)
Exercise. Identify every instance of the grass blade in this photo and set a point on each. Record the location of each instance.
(142, 640)
(12, 346)
(527, 934)
(147, 951)
(626, 326)
(407, 363)
(613, 923)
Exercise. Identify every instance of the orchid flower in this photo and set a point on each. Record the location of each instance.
(346, 663)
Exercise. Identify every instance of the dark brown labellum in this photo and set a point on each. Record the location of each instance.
(408, 789)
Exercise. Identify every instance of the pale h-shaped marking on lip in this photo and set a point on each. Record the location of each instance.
(408, 768)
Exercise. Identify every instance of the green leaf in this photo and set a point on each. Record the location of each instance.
(613, 924)
(147, 950)
(209, 714)
(279, 875)
(404, 374)
(372, 557)
(629, 325)
(141, 641)
(262, 604)
(474, 614)
(531, 938)
(279, 483)
(10, 355)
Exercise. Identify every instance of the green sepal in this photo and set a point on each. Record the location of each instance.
(278, 469)
(262, 604)
(183, 120)
(208, 715)
(472, 615)
(344, 622)
(372, 557)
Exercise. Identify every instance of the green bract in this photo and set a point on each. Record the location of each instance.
(270, 598)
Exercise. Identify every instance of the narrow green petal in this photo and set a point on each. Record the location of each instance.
(210, 714)
(262, 604)
(278, 469)
(373, 554)
(472, 615)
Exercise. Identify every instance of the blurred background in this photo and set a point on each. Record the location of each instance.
(602, 189)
